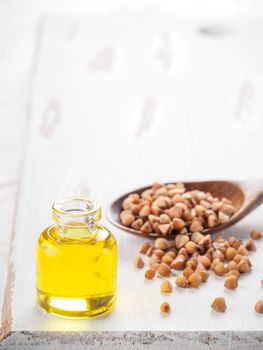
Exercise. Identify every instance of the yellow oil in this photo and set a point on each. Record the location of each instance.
(76, 271)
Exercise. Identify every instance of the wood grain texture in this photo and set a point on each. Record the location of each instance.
(15, 210)
(94, 145)
(13, 102)
(6, 274)
(135, 340)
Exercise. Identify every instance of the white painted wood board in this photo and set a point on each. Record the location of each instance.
(119, 101)
(15, 58)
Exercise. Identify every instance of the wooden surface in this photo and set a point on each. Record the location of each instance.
(118, 101)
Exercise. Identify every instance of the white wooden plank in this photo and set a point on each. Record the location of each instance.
(7, 196)
(196, 96)
(14, 62)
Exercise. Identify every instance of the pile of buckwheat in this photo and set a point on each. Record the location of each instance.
(195, 255)
(166, 209)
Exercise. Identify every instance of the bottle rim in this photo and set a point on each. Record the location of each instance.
(75, 206)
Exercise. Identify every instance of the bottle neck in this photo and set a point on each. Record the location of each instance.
(76, 217)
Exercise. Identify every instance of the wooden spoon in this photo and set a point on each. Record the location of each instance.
(246, 195)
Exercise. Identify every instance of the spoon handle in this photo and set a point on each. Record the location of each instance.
(253, 191)
(252, 187)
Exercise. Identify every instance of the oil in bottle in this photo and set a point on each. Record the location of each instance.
(76, 261)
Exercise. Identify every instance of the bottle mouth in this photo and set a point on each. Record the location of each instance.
(79, 206)
(76, 217)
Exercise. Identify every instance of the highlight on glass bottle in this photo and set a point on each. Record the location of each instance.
(76, 261)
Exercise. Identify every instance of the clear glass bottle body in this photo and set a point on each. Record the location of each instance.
(76, 261)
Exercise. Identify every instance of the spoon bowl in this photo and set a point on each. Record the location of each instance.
(245, 195)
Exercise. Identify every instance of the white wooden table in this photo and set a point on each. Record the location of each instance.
(122, 100)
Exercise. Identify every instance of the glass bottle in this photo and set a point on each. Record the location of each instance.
(76, 261)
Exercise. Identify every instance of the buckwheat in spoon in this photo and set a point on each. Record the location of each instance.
(182, 218)
(226, 202)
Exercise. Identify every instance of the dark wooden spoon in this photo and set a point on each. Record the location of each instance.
(246, 195)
